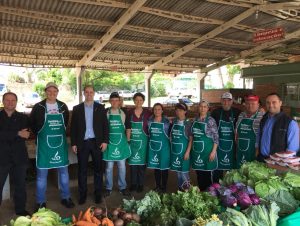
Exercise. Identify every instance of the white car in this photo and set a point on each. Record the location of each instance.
(101, 96)
(126, 94)
(30, 99)
(3, 89)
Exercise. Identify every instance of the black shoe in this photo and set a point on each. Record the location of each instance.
(107, 193)
(81, 200)
(40, 205)
(23, 213)
(157, 189)
(140, 189)
(68, 203)
(98, 199)
(124, 192)
(132, 188)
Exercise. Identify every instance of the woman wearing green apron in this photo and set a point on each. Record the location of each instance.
(137, 135)
(48, 119)
(204, 149)
(181, 143)
(118, 149)
(159, 147)
(247, 129)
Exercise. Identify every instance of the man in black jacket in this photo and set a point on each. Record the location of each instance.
(89, 135)
(13, 152)
(49, 119)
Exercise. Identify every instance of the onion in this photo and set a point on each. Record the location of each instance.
(98, 211)
(119, 222)
(115, 212)
(127, 216)
(136, 217)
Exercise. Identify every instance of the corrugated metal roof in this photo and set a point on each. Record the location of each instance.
(61, 32)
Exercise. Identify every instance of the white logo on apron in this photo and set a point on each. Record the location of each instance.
(199, 160)
(56, 157)
(137, 157)
(116, 152)
(226, 159)
(243, 160)
(177, 162)
(155, 159)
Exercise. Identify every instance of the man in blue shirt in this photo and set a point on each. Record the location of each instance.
(89, 135)
(277, 132)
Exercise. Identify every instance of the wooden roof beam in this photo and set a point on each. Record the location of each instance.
(245, 53)
(102, 42)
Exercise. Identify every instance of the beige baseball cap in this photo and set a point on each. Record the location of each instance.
(51, 84)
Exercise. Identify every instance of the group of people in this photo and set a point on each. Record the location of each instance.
(210, 144)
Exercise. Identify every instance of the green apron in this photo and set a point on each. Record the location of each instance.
(226, 145)
(159, 147)
(246, 141)
(138, 144)
(202, 147)
(52, 147)
(118, 148)
(179, 145)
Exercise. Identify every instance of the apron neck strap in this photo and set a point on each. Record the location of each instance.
(231, 115)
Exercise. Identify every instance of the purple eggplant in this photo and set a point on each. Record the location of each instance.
(229, 201)
(243, 200)
(255, 199)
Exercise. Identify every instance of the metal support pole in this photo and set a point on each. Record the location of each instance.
(148, 77)
(79, 73)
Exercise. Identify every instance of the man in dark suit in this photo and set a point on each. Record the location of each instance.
(89, 135)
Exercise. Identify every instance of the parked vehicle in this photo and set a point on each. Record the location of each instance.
(3, 89)
(30, 99)
(126, 94)
(176, 100)
(101, 96)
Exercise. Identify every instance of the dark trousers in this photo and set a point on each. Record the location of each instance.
(217, 175)
(89, 147)
(137, 175)
(204, 178)
(261, 158)
(17, 175)
(161, 178)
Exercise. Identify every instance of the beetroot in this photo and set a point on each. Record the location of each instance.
(229, 201)
(255, 199)
(243, 200)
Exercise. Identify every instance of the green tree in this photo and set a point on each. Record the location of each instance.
(232, 70)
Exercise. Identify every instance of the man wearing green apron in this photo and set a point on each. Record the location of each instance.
(118, 149)
(205, 143)
(159, 147)
(225, 117)
(48, 120)
(247, 129)
(137, 134)
(181, 143)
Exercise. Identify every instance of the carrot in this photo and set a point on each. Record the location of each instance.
(74, 218)
(85, 223)
(107, 222)
(95, 220)
(79, 216)
(87, 216)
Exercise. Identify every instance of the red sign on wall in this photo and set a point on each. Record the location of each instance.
(268, 34)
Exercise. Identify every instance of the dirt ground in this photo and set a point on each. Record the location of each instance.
(53, 199)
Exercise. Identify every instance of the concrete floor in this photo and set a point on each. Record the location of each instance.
(113, 201)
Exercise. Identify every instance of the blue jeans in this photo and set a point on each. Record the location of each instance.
(183, 180)
(109, 171)
(41, 184)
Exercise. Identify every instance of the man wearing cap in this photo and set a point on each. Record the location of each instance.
(118, 149)
(226, 117)
(89, 136)
(48, 120)
(246, 130)
(277, 131)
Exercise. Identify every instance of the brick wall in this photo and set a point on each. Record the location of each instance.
(262, 90)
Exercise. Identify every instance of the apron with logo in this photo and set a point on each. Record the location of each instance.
(202, 147)
(118, 147)
(159, 147)
(246, 141)
(52, 147)
(226, 147)
(138, 144)
(179, 145)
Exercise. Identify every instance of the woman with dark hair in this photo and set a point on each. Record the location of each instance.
(137, 135)
(205, 143)
(159, 147)
(181, 143)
